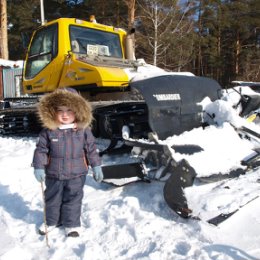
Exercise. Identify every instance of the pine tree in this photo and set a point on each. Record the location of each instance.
(227, 35)
(3, 31)
(241, 34)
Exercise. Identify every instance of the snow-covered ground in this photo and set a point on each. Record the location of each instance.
(134, 221)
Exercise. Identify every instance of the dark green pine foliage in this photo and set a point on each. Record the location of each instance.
(226, 47)
(112, 13)
(210, 19)
(235, 35)
(24, 16)
(241, 52)
(249, 66)
(108, 12)
(21, 18)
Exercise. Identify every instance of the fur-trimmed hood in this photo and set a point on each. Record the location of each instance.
(49, 103)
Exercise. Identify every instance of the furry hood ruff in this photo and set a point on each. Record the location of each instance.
(49, 103)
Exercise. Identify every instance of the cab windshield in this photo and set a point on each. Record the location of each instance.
(94, 42)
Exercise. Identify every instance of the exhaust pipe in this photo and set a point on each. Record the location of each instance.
(130, 45)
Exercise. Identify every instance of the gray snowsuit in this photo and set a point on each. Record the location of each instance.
(65, 155)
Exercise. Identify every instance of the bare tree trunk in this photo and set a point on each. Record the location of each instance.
(155, 36)
(200, 67)
(117, 14)
(219, 53)
(131, 13)
(237, 54)
(3, 31)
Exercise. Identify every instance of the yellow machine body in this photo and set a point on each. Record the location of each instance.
(68, 52)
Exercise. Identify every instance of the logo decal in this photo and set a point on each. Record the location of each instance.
(166, 97)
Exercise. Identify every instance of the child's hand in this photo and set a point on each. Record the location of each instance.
(98, 174)
(39, 174)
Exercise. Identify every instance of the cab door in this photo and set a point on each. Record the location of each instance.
(39, 61)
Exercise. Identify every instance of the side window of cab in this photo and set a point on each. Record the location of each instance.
(43, 50)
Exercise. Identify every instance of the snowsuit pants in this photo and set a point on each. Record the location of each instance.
(63, 200)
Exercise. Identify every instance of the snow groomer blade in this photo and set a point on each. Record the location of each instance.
(183, 176)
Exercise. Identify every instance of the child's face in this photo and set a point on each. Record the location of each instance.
(65, 115)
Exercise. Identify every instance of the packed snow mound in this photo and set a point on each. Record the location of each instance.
(145, 71)
(222, 152)
(206, 201)
(220, 111)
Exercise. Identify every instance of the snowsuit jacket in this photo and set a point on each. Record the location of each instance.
(64, 153)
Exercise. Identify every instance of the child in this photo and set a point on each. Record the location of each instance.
(65, 148)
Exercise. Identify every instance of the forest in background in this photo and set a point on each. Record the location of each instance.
(213, 38)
